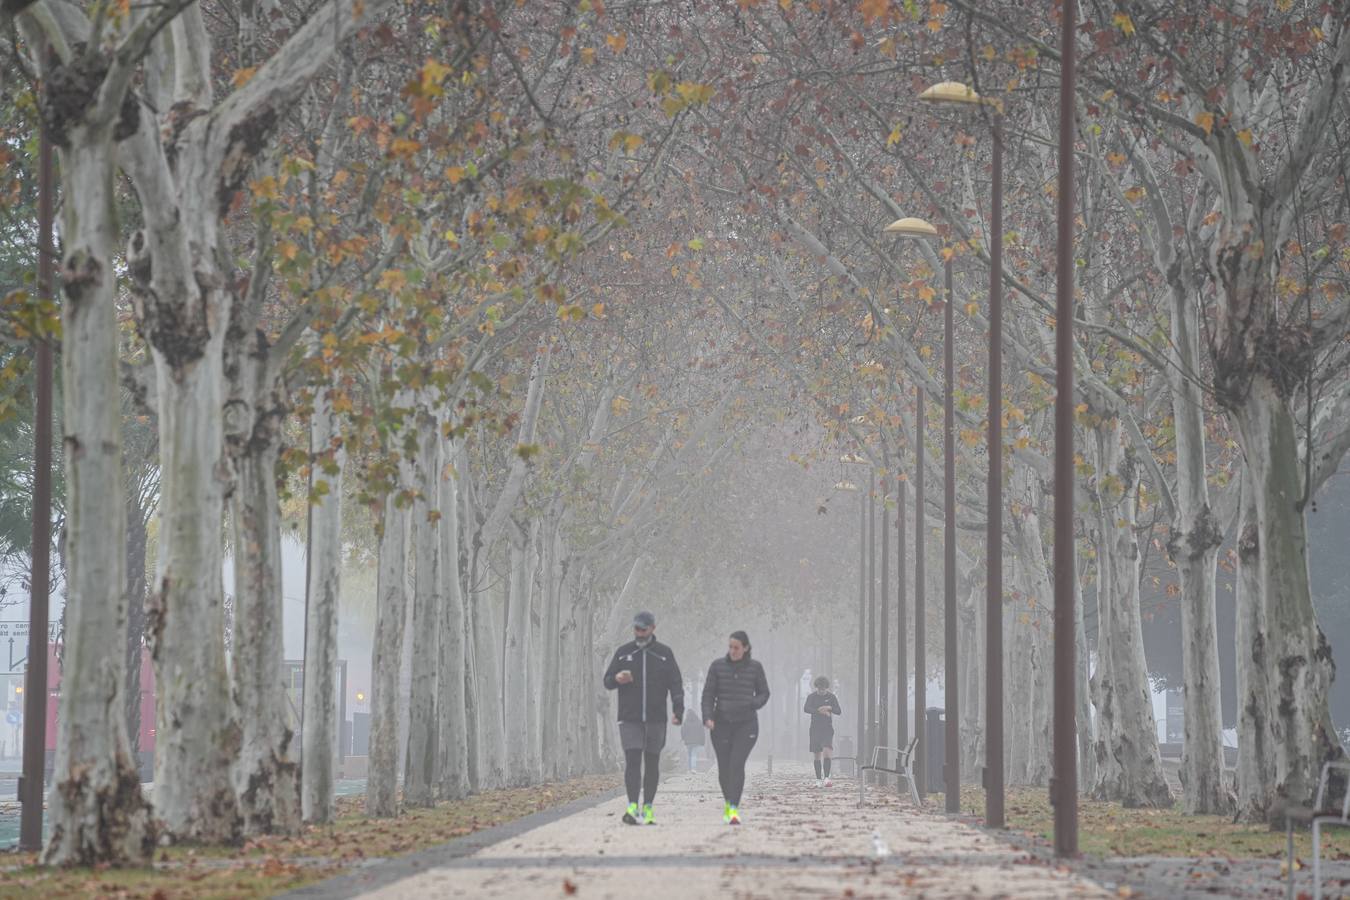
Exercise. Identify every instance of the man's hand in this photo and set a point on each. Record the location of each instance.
(624, 677)
(709, 723)
(825, 711)
(674, 719)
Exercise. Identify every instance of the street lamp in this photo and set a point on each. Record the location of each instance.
(956, 93)
(847, 460)
(1065, 780)
(919, 228)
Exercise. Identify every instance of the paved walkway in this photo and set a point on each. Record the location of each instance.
(797, 841)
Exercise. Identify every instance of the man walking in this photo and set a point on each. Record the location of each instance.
(643, 671)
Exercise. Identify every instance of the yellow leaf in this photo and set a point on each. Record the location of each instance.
(288, 250)
(1245, 135)
(598, 310)
(1124, 23)
(617, 42)
(455, 174)
(1205, 120)
(894, 137)
(588, 55)
(241, 76)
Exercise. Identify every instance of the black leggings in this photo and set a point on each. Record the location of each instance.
(732, 742)
(636, 774)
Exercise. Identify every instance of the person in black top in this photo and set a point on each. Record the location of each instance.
(735, 691)
(643, 671)
(823, 706)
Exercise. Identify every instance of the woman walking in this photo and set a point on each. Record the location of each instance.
(733, 694)
(823, 706)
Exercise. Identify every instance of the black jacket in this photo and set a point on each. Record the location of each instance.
(734, 691)
(814, 701)
(655, 673)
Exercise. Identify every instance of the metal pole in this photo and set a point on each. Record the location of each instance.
(952, 745)
(993, 672)
(31, 789)
(862, 633)
(901, 624)
(920, 664)
(1064, 784)
(884, 627)
(871, 609)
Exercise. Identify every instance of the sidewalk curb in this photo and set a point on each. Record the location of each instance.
(379, 873)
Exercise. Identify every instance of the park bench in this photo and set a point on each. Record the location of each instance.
(903, 768)
(1321, 813)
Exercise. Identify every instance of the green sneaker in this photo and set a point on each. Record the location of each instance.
(630, 815)
(726, 813)
(647, 817)
(733, 816)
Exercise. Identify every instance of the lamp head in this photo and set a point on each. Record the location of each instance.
(911, 226)
(956, 92)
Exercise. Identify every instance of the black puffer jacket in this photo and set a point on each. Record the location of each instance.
(734, 691)
(655, 673)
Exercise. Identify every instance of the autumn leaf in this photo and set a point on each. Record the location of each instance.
(241, 76)
(874, 10)
(1205, 120)
(617, 42)
(1124, 23)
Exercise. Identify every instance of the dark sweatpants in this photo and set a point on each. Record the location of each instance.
(641, 771)
(732, 742)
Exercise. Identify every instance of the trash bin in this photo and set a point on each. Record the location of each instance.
(935, 747)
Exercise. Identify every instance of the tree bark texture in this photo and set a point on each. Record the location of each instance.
(419, 777)
(98, 814)
(1129, 767)
(319, 723)
(387, 662)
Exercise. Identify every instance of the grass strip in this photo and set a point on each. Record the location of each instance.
(270, 865)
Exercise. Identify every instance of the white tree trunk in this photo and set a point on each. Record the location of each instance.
(972, 612)
(1256, 757)
(1129, 768)
(319, 723)
(473, 690)
(1292, 647)
(197, 737)
(387, 662)
(552, 690)
(1194, 546)
(97, 812)
(1087, 728)
(518, 653)
(492, 772)
(453, 744)
(267, 776)
(419, 777)
(1028, 622)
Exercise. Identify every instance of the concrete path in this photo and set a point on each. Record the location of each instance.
(797, 841)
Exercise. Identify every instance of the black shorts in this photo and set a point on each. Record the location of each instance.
(821, 739)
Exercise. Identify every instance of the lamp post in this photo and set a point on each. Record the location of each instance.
(920, 660)
(918, 228)
(1064, 793)
(955, 93)
(843, 485)
(883, 628)
(35, 674)
(871, 538)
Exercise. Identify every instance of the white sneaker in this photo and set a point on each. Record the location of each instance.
(819, 783)
(829, 783)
